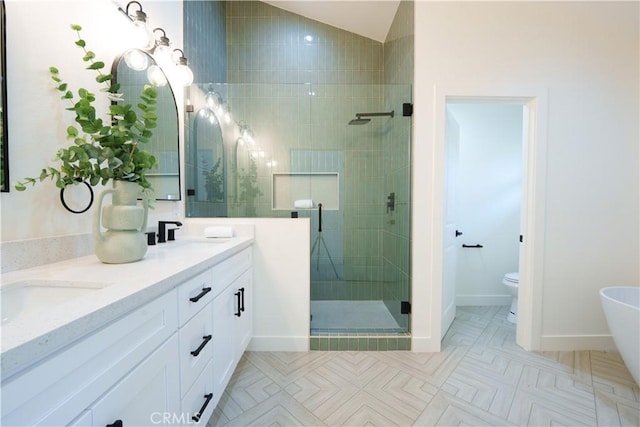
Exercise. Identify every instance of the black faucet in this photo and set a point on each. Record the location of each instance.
(162, 235)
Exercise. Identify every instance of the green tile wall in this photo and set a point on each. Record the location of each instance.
(355, 343)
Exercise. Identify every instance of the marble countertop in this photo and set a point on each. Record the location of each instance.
(28, 338)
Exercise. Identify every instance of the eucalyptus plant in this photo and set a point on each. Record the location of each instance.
(102, 151)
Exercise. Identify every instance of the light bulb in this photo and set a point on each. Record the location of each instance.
(156, 76)
(184, 75)
(227, 115)
(212, 99)
(142, 36)
(136, 59)
(162, 54)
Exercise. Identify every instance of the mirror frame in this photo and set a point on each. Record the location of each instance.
(3, 69)
(114, 74)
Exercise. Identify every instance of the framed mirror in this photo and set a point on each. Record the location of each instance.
(207, 145)
(133, 70)
(4, 142)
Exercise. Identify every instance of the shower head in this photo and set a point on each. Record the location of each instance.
(359, 120)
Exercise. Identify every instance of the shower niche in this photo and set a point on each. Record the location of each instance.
(318, 187)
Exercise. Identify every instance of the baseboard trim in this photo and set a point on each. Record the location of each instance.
(279, 344)
(425, 345)
(577, 343)
(483, 299)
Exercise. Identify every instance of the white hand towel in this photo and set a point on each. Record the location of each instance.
(218, 231)
(303, 204)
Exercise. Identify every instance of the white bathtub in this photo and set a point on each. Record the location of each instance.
(621, 306)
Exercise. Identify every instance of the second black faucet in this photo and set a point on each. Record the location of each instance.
(162, 230)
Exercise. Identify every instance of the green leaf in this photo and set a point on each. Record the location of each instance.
(72, 132)
(19, 186)
(130, 117)
(53, 70)
(81, 43)
(96, 66)
(88, 56)
(104, 78)
(76, 27)
(67, 95)
(62, 87)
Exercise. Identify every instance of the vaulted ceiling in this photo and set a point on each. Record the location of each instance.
(368, 18)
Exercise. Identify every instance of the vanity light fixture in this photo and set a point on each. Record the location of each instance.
(162, 50)
(143, 38)
(183, 72)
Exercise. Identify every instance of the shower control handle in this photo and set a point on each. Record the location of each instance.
(458, 233)
(472, 246)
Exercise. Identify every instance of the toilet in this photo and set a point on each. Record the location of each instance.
(511, 280)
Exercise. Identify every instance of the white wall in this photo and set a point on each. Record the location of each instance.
(282, 282)
(489, 190)
(589, 64)
(39, 36)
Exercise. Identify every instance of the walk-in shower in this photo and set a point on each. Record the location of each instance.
(361, 120)
(303, 151)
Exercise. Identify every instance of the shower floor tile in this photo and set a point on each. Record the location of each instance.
(352, 317)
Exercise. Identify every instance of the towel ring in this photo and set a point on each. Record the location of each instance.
(64, 203)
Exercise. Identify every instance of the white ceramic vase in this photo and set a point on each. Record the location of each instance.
(125, 222)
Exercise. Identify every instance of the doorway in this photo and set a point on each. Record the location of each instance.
(531, 253)
(483, 197)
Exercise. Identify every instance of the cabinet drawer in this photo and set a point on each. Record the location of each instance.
(147, 396)
(196, 344)
(193, 295)
(58, 389)
(227, 271)
(196, 398)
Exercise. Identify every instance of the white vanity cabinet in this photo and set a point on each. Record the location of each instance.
(232, 328)
(217, 335)
(133, 357)
(164, 363)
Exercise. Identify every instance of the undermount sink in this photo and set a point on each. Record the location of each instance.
(25, 297)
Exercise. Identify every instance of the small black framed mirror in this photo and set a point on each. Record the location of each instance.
(4, 142)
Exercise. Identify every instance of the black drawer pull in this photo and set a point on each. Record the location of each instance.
(472, 246)
(200, 295)
(242, 299)
(208, 398)
(116, 423)
(197, 351)
(239, 312)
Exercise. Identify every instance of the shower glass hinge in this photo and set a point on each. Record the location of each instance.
(407, 109)
(405, 307)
